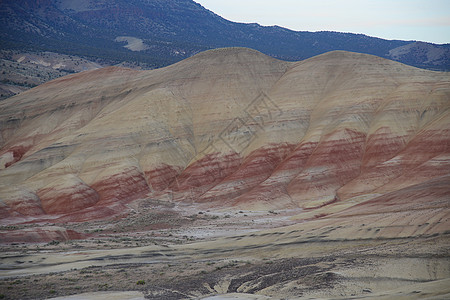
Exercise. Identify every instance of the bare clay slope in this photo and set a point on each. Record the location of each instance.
(228, 128)
(98, 139)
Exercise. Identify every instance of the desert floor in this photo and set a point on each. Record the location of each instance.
(177, 252)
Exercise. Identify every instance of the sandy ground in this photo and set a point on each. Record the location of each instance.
(230, 255)
(104, 295)
(235, 296)
(439, 289)
(133, 43)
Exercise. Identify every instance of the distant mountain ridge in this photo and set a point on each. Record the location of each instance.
(172, 30)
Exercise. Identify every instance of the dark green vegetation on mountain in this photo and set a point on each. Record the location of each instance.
(172, 30)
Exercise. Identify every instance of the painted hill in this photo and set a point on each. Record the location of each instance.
(229, 172)
(228, 128)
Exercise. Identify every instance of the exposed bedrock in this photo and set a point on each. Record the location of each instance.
(335, 162)
(67, 194)
(256, 168)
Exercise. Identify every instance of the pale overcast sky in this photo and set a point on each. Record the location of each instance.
(421, 20)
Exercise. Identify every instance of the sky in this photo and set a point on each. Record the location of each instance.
(419, 20)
